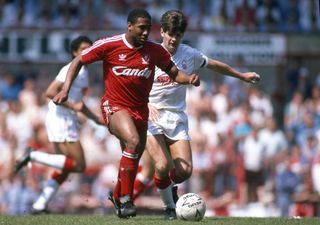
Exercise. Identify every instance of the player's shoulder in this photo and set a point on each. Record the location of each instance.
(152, 44)
(186, 48)
(65, 67)
(107, 40)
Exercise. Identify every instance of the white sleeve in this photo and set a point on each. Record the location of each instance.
(200, 60)
(63, 73)
(86, 78)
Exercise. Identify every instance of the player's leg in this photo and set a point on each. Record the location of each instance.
(73, 162)
(144, 177)
(121, 125)
(69, 157)
(157, 148)
(182, 159)
(63, 133)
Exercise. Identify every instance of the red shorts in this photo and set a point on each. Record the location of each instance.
(139, 114)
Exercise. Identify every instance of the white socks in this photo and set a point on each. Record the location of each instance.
(166, 197)
(52, 160)
(47, 194)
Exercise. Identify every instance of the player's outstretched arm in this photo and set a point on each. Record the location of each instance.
(182, 78)
(82, 107)
(53, 89)
(72, 73)
(222, 68)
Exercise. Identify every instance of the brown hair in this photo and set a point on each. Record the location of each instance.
(173, 21)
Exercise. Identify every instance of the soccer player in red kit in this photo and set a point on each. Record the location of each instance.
(129, 62)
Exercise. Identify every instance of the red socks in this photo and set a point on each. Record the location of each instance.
(139, 187)
(59, 177)
(68, 164)
(127, 174)
(162, 183)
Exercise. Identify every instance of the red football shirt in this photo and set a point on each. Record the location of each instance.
(128, 72)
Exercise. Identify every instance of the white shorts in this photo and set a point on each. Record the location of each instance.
(62, 128)
(173, 125)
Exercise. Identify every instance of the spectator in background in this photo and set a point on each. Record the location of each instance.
(275, 151)
(253, 155)
(10, 88)
(18, 125)
(223, 169)
(287, 182)
(293, 116)
(268, 16)
(201, 163)
(245, 15)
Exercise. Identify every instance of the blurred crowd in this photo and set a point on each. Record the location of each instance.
(203, 15)
(242, 154)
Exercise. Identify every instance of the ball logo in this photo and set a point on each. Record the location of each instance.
(125, 71)
(190, 207)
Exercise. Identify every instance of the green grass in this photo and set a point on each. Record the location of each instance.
(148, 220)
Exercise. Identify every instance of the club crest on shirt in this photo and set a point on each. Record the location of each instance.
(122, 57)
(145, 59)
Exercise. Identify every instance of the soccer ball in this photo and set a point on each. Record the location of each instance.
(190, 207)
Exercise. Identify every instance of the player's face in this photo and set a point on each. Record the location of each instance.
(139, 31)
(171, 41)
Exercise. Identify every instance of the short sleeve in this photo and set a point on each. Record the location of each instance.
(94, 53)
(86, 78)
(63, 73)
(200, 60)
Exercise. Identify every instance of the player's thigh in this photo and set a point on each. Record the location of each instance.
(122, 126)
(71, 149)
(158, 151)
(181, 154)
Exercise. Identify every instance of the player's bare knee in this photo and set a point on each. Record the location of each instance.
(162, 167)
(132, 142)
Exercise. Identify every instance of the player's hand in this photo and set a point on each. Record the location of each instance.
(61, 97)
(153, 113)
(251, 77)
(194, 79)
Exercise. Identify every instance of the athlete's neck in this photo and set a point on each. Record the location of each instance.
(131, 41)
(172, 52)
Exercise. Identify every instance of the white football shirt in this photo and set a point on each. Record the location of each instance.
(167, 94)
(75, 93)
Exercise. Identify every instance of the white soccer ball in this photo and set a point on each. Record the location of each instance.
(190, 207)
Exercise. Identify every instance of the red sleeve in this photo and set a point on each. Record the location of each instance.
(94, 53)
(164, 58)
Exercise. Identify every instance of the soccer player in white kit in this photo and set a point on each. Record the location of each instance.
(61, 125)
(168, 122)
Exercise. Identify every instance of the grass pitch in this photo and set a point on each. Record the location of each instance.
(147, 220)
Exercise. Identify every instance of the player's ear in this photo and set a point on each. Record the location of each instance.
(74, 54)
(162, 32)
(129, 26)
